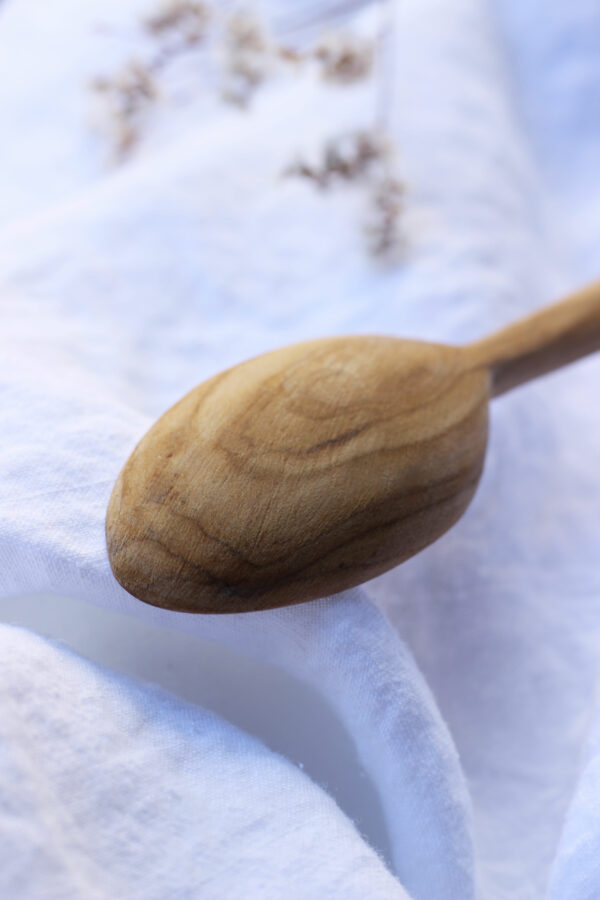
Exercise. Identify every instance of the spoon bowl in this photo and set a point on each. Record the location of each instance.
(300, 473)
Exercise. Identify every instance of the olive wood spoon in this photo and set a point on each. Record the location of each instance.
(313, 468)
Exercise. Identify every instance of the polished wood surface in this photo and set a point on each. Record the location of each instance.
(314, 468)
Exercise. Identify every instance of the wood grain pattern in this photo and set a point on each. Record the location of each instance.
(316, 467)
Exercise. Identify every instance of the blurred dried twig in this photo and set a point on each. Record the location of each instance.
(364, 157)
(382, 227)
(347, 157)
(128, 96)
(246, 57)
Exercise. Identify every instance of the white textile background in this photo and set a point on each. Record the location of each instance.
(468, 677)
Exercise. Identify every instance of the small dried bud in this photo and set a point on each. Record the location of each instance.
(244, 33)
(187, 18)
(290, 55)
(382, 228)
(344, 58)
(301, 169)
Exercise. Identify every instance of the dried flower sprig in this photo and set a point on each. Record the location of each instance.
(347, 157)
(128, 95)
(132, 91)
(247, 56)
(385, 239)
(364, 157)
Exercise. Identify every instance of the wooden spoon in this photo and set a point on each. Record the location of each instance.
(311, 469)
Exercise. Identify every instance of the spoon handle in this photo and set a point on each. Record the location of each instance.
(542, 342)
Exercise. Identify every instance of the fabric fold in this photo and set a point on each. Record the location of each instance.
(110, 788)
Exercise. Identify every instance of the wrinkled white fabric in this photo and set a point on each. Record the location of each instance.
(471, 701)
(190, 804)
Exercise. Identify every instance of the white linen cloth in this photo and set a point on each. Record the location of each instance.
(467, 677)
